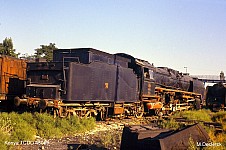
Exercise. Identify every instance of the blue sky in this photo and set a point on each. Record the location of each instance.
(171, 33)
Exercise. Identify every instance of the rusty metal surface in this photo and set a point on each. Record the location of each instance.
(132, 136)
(148, 88)
(10, 67)
(118, 110)
(180, 139)
(144, 138)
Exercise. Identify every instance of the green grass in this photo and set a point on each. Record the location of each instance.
(46, 126)
(199, 115)
(24, 127)
(196, 115)
(20, 127)
(220, 117)
(203, 116)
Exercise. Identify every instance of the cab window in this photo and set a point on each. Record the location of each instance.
(148, 73)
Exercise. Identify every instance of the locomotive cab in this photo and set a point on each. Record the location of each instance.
(148, 96)
(149, 84)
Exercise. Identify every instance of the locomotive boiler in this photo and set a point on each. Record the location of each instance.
(89, 82)
(172, 90)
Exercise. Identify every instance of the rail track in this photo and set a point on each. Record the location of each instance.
(217, 126)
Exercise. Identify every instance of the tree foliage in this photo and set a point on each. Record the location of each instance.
(46, 51)
(6, 48)
(1, 48)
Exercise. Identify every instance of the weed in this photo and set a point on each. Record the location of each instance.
(4, 138)
(191, 143)
(29, 118)
(219, 116)
(5, 125)
(199, 115)
(64, 126)
(46, 126)
(19, 128)
(72, 125)
(110, 138)
(87, 123)
(23, 127)
(169, 124)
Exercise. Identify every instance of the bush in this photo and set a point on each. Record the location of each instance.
(219, 116)
(191, 144)
(110, 139)
(5, 125)
(64, 126)
(49, 127)
(24, 127)
(216, 138)
(4, 138)
(87, 124)
(46, 126)
(21, 130)
(29, 118)
(74, 125)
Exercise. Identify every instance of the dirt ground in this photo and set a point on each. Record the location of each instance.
(105, 136)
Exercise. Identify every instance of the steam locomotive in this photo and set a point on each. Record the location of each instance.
(216, 97)
(89, 82)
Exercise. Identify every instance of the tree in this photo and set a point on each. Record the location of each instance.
(46, 51)
(6, 48)
(1, 48)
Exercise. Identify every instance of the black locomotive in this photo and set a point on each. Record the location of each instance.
(216, 97)
(87, 82)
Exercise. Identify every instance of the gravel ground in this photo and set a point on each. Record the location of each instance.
(106, 136)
